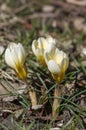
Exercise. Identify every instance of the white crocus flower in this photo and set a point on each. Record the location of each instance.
(57, 62)
(15, 58)
(41, 45)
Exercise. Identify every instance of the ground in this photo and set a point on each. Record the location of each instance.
(23, 21)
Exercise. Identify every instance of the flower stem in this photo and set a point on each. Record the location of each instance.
(56, 102)
(33, 96)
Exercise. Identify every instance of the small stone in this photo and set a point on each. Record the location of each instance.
(35, 107)
(55, 128)
(48, 8)
(84, 51)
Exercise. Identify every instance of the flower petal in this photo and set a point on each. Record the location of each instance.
(64, 64)
(12, 45)
(59, 55)
(53, 67)
(51, 40)
(9, 58)
(21, 53)
(34, 47)
(51, 53)
(42, 43)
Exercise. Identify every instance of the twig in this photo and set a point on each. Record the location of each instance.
(67, 7)
(33, 96)
(42, 15)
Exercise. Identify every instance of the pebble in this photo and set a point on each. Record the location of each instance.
(48, 8)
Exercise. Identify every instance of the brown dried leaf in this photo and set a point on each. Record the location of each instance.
(79, 24)
(17, 113)
(77, 2)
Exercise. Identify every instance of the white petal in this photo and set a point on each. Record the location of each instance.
(51, 40)
(21, 53)
(51, 53)
(12, 45)
(50, 49)
(37, 52)
(64, 64)
(22, 49)
(9, 58)
(42, 43)
(34, 46)
(53, 67)
(47, 57)
(59, 56)
(14, 54)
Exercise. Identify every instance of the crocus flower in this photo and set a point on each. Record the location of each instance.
(15, 58)
(41, 45)
(57, 62)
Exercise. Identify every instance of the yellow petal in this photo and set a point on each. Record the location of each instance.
(42, 60)
(21, 71)
(58, 77)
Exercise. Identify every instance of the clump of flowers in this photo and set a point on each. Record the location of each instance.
(48, 54)
(56, 61)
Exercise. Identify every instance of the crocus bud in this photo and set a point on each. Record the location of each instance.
(41, 45)
(57, 62)
(15, 58)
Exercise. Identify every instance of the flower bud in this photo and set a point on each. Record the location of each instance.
(41, 45)
(15, 58)
(57, 62)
